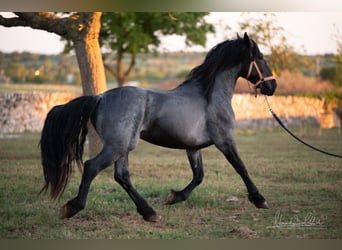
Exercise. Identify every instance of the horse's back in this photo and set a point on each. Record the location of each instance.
(166, 118)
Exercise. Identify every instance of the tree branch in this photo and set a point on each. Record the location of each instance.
(110, 70)
(12, 22)
(131, 65)
(47, 21)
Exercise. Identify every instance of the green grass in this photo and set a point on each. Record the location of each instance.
(298, 183)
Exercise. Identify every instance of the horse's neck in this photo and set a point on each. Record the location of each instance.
(223, 86)
(225, 83)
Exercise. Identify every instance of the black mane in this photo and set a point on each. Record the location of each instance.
(224, 55)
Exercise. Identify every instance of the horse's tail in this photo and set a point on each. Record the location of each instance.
(62, 141)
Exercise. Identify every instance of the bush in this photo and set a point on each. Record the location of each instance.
(328, 73)
(332, 74)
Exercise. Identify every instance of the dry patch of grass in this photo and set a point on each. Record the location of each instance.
(41, 87)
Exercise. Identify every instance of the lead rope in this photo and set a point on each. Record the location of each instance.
(294, 136)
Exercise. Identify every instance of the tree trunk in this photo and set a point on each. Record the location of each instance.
(90, 62)
(91, 66)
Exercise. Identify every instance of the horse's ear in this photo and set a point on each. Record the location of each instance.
(247, 40)
(248, 43)
(238, 36)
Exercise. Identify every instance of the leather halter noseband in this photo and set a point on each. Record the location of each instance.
(261, 78)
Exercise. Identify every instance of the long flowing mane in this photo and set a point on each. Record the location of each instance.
(224, 55)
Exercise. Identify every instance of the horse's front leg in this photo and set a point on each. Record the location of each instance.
(195, 159)
(228, 148)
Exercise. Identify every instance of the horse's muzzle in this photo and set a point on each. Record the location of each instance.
(268, 87)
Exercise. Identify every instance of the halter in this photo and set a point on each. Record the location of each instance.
(261, 78)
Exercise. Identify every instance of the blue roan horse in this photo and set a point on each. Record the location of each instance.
(196, 114)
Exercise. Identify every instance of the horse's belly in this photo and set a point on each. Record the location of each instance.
(174, 140)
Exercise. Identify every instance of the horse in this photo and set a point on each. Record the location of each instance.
(194, 115)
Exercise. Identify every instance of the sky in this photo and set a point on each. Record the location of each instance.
(308, 32)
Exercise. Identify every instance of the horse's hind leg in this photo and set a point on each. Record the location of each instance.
(91, 168)
(121, 175)
(195, 159)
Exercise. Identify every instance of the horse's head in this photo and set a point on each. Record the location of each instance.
(256, 69)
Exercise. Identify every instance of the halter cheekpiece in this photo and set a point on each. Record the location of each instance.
(261, 77)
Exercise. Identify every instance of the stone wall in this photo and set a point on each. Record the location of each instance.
(26, 111)
(253, 111)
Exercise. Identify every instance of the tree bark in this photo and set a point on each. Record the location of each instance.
(89, 55)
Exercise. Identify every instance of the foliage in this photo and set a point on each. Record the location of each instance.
(267, 33)
(131, 33)
(36, 68)
(333, 72)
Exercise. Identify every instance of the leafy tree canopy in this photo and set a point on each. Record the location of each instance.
(132, 33)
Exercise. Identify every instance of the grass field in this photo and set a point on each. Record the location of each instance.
(302, 187)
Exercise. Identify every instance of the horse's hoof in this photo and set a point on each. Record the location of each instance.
(153, 218)
(68, 211)
(64, 212)
(258, 200)
(169, 199)
(263, 205)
